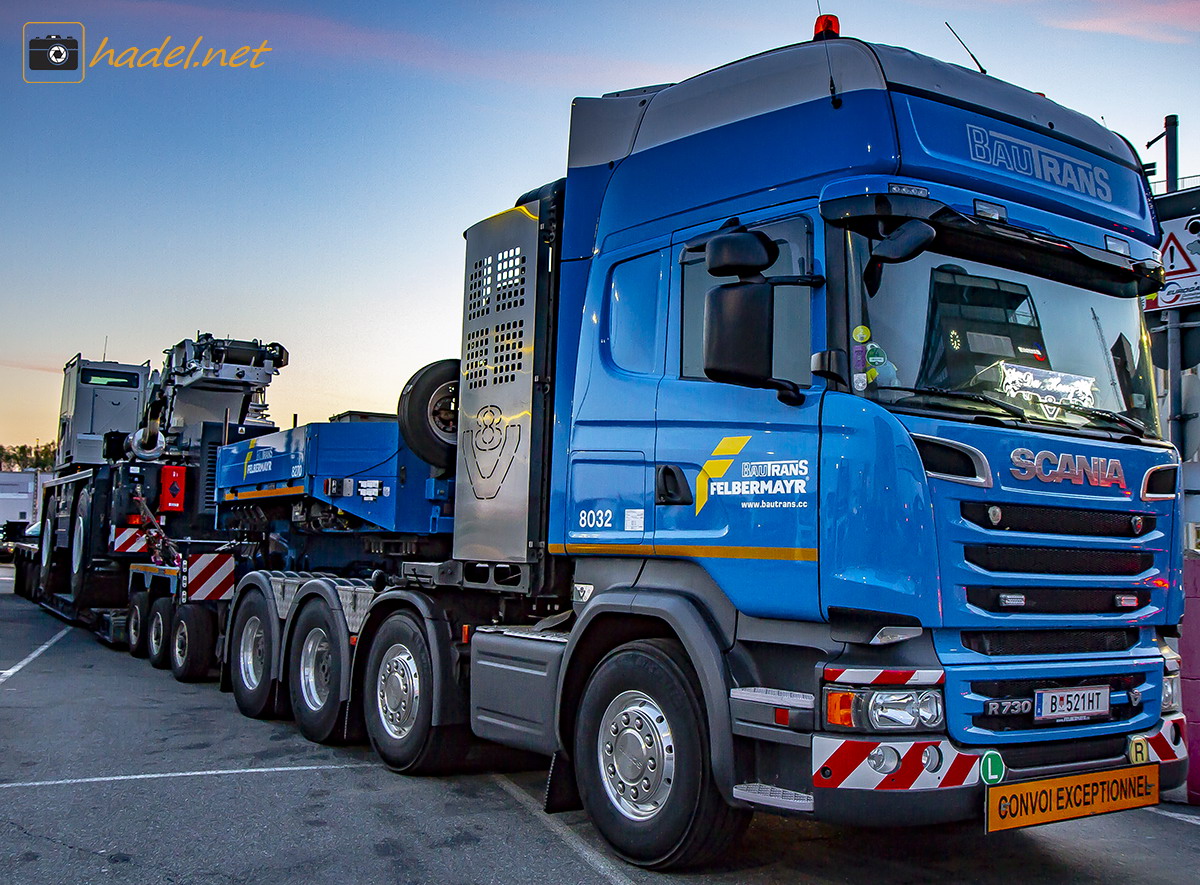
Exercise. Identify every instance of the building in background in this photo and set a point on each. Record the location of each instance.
(17, 495)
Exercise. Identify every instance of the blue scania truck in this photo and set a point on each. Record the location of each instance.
(803, 456)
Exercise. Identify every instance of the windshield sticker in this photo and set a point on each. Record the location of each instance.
(860, 382)
(861, 334)
(1046, 388)
(860, 357)
(876, 356)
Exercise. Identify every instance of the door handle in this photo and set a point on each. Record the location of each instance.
(671, 485)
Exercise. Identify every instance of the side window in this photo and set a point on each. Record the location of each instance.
(792, 344)
(634, 328)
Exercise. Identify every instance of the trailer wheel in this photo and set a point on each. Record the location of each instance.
(81, 536)
(192, 638)
(158, 633)
(642, 760)
(253, 651)
(315, 673)
(136, 619)
(428, 413)
(398, 702)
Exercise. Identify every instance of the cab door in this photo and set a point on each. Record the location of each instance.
(622, 347)
(750, 460)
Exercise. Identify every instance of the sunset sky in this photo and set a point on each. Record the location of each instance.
(319, 199)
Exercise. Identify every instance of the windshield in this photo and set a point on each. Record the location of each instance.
(993, 338)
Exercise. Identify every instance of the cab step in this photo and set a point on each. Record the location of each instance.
(775, 797)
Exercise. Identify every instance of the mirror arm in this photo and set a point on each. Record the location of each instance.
(812, 280)
(789, 393)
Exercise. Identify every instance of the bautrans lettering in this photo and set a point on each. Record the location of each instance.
(1034, 161)
(751, 469)
(1049, 467)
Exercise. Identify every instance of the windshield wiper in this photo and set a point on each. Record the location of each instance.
(1015, 411)
(1116, 417)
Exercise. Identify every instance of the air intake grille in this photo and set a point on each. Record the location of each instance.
(508, 353)
(1057, 560)
(1063, 752)
(208, 481)
(479, 289)
(1055, 600)
(475, 362)
(1048, 642)
(510, 279)
(1057, 520)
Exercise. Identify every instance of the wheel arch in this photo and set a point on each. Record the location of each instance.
(451, 707)
(618, 617)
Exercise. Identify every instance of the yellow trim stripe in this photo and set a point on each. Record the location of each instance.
(265, 493)
(784, 554)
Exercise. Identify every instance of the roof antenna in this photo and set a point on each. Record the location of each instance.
(982, 69)
(828, 26)
(104, 356)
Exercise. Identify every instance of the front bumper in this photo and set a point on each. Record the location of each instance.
(847, 789)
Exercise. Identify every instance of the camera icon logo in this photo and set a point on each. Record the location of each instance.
(53, 51)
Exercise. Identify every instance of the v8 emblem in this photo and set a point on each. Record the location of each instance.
(488, 450)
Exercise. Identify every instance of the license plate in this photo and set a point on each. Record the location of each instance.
(1067, 704)
(1045, 801)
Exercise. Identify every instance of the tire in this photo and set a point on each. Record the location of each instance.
(158, 633)
(136, 619)
(648, 691)
(428, 413)
(80, 552)
(252, 658)
(315, 673)
(46, 556)
(398, 702)
(192, 636)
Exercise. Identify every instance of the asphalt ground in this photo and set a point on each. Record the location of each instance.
(111, 771)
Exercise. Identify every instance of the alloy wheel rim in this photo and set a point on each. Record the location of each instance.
(181, 644)
(398, 686)
(315, 664)
(636, 754)
(156, 632)
(252, 652)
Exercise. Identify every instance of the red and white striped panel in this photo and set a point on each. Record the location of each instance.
(1161, 747)
(843, 763)
(885, 677)
(210, 577)
(127, 540)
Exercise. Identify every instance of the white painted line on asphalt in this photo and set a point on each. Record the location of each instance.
(166, 774)
(1186, 818)
(13, 671)
(593, 858)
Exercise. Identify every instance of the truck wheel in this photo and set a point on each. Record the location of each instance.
(398, 702)
(315, 673)
(158, 633)
(46, 558)
(642, 760)
(81, 535)
(192, 634)
(253, 651)
(136, 619)
(428, 413)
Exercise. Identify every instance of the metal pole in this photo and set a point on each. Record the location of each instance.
(1174, 380)
(1171, 127)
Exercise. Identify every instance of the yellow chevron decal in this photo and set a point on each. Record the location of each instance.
(715, 466)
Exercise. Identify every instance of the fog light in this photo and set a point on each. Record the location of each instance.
(931, 758)
(884, 760)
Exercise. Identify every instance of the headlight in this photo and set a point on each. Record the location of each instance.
(1171, 693)
(869, 709)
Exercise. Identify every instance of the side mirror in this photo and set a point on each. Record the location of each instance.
(738, 323)
(907, 241)
(742, 254)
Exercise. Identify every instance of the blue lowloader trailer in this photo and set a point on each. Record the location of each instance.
(803, 457)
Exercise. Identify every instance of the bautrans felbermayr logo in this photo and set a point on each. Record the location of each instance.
(1026, 158)
(767, 484)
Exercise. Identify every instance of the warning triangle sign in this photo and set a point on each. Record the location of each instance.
(1176, 261)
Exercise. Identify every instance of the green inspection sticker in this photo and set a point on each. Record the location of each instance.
(876, 356)
(991, 768)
